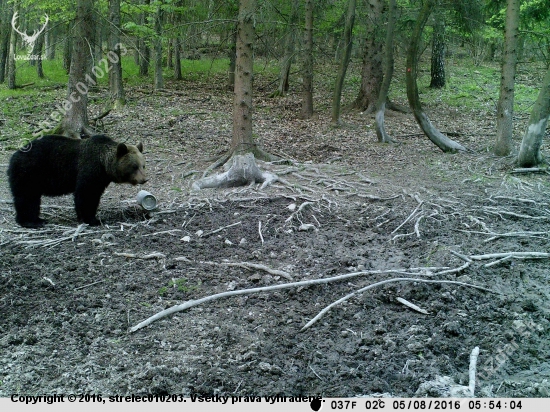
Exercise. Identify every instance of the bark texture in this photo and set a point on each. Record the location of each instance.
(115, 74)
(307, 69)
(437, 71)
(75, 121)
(438, 138)
(290, 42)
(383, 137)
(529, 152)
(505, 106)
(5, 34)
(343, 67)
(371, 73)
(159, 79)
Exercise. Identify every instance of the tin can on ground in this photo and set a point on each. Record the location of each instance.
(146, 200)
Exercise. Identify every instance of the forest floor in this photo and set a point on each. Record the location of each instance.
(69, 294)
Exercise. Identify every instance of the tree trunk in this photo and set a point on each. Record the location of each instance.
(348, 39)
(5, 34)
(68, 48)
(75, 121)
(505, 106)
(39, 48)
(383, 137)
(290, 42)
(529, 152)
(371, 75)
(242, 165)
(242, 104)
(144, 50)
(159, 79)
(307, 70)
(438, 138)
(50, 43)
(115, 74)
(438, 53)
(177, 59)
(11, 60)
(232, 54)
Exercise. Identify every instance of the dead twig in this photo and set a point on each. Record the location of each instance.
(350, 295)
(412, 306)
(191, 303)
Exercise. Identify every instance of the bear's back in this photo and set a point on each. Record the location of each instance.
(48, 166)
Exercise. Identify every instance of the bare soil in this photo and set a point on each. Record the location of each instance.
(69, 294)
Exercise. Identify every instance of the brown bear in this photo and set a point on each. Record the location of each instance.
(58, 165)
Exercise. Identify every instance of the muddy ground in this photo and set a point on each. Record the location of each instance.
(68, 296)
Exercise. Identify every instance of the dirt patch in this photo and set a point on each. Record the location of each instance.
(68, 298)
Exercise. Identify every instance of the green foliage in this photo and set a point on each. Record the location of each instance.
(181, 285)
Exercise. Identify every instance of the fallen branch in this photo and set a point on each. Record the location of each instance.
(517, 255)
(154, 255)
(250, 266)
(409, 218)
(472, 370)
(191, 303)
(220, 229)
(343, 299)
(412, 306)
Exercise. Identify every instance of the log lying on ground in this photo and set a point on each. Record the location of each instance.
(240, 170)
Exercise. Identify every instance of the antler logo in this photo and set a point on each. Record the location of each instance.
(28, 41)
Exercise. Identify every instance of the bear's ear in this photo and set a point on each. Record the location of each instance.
(140, 147)
(121, 150)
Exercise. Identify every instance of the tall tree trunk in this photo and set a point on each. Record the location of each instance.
(5, 34)
(68, 48)
(371, 74)
(348, 39)
(11, 60)
(144, 49)
(383, 137)
(437, 71)
(50, 43)
(159, 79)
(241, 141)
(438, 138)
(39, 48)
(243, 169)
(115, 58)
(307, 70)
(290, 41)
(177, 59)
(232, 54)
(529, 152)
(505, 106)
(75, 121)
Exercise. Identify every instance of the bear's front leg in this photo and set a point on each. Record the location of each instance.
(86, 202)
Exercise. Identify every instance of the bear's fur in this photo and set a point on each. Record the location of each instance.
(58, 165)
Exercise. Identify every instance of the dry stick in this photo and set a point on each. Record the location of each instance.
(220, 229)
(412, 306)
(250, 266)
(260, 231)
(162, 233)
(518, 255)
(300, 208)
(409, 218)
(191, 303)
(472, 370)
(154, 255)
(325, 310)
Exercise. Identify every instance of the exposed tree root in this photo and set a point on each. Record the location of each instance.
(240, 170)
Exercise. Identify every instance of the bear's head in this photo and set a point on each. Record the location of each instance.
(130, 164)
